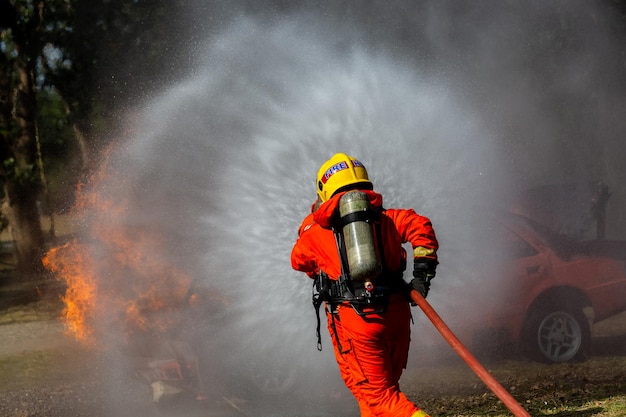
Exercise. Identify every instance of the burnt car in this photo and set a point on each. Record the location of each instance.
(554, 288)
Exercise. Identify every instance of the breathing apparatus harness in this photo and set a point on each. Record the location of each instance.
(364, 283)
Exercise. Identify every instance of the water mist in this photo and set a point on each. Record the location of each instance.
(223, 165)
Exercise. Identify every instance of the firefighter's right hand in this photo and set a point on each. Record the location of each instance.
(423, 273)
(421, 285)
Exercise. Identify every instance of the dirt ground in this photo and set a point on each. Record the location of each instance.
(44, 373)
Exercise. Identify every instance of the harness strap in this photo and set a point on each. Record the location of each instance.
(369, 216)
(323, 290)
(317, 303)
(334, 327)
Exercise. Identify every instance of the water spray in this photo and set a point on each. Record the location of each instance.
(290, 91)
(465, 354)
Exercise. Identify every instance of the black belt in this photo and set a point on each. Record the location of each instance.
(364, 300)
(365, 297)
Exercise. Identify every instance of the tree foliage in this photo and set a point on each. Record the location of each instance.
(65, 79)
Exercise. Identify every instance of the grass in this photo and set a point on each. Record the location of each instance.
(596, 388)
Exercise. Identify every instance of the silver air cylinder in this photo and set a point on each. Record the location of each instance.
(361, 249)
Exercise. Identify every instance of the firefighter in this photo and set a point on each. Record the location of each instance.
(368, 319)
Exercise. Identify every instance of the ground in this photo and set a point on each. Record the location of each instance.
(45, 373)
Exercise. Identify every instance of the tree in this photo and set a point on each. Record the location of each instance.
(18, 150)
(74, 53)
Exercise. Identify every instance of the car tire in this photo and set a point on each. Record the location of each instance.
(557, 333)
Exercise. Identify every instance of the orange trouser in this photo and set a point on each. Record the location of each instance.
(374, 352)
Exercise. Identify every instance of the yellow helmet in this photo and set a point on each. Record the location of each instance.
(339, 172)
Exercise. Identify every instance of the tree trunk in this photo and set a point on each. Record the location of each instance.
(25, 227)
(18, 151)
(23, 193)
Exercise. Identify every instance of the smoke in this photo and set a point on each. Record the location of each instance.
(545, 76)
(453, 108)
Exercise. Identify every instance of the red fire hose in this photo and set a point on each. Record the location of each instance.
(471, 361)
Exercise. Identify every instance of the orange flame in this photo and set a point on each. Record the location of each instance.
(72, 264)
(118, 274)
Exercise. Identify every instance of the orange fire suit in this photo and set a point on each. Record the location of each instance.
(371, 350)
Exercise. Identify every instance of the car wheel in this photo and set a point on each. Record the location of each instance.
(557, 334)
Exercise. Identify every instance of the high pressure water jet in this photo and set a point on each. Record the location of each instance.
(217, 166)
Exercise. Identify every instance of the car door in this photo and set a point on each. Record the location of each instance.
(527, 271)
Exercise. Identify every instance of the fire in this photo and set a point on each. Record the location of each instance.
(117, 275)
(74, 266)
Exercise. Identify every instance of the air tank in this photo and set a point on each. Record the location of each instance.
(361, 249)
